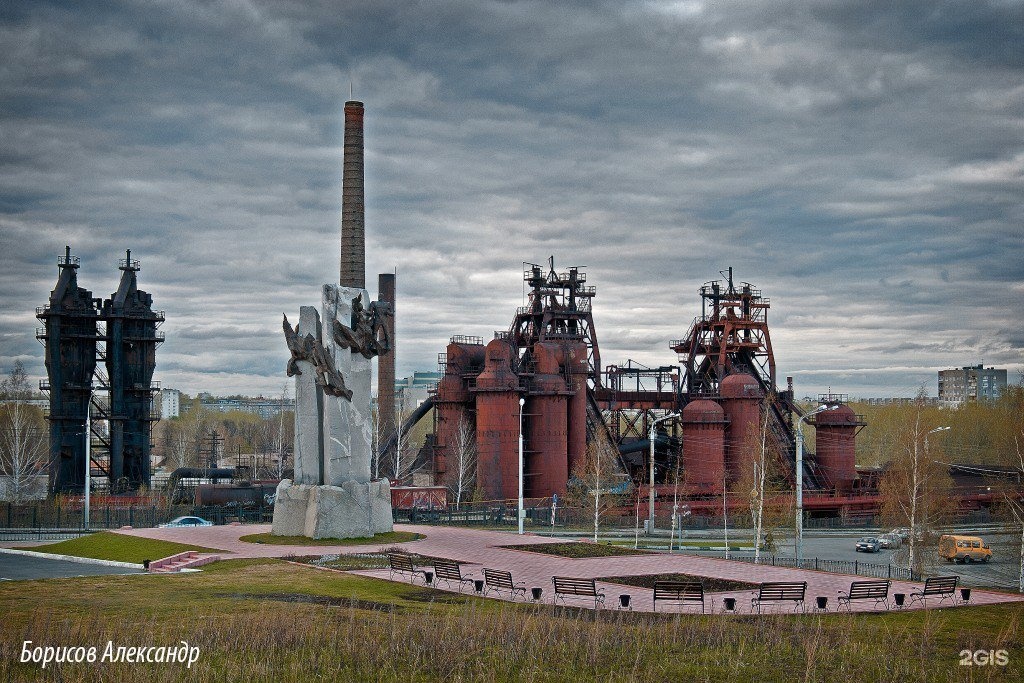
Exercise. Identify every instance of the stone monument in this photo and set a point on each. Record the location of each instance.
(331, 494)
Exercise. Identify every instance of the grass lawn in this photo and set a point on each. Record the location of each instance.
(268, 620)
(389, 537)
(105, 545)
(577, 550)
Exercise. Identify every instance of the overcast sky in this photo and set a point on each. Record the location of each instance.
(860, 162)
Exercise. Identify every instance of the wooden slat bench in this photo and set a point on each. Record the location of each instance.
(942, 586)
(400, 563)
(498, 580)
(780, 591)
(679, 592)
(450, 572)
(866, 590)
(584, 588)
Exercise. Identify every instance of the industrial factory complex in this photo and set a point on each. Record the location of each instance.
(536, 391)
(542, 378)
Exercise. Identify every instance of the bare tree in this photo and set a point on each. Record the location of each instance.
(378, 438)
(183, 437)
(1015, 504)
(465, 459)
(398, 469)
(757, 493)
(595, 475)
(280, 432)
(915, 488)
(23, 448)
(405, 448)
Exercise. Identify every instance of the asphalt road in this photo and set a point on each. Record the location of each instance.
(22, 567)
(1002, 571)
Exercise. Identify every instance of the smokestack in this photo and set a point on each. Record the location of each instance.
(353, 225)
(386, 362)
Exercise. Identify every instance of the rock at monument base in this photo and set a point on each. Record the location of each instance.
(290, 509)
(352, 510)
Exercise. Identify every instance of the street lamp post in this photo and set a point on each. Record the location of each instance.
(522, 512)
(650, 491)
(800, 479)
(88, 457)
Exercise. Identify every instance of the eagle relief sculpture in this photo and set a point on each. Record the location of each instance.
(310, 349)
(368, 335)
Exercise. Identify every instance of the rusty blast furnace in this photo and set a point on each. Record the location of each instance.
(546, 357)
(709, 414)
(730, 400)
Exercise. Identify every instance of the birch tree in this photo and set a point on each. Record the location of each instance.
(465, 456)
(757, 494)
(596, 474)
(916, 490)
(1015, 504)
(23, 448)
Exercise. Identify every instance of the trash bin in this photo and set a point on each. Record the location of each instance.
(536, 592)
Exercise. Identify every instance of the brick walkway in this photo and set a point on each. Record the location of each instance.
(478, 548)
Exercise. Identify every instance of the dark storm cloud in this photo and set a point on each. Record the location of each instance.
(859, 162)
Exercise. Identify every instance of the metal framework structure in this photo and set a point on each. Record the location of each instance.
(117, 392)
(632, 397)
(729, 337)
(69, 336)
(559, 310)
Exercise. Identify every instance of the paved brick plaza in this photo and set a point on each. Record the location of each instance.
(479, 548)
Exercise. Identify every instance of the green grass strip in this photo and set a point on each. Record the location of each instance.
(577, 550)
(387, 537)
(106, 545)
(711, 585)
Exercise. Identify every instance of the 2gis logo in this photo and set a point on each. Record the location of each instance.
(984, 657)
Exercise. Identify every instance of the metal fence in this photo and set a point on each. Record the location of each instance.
(500, 514)
(50, 516)
(856, 567)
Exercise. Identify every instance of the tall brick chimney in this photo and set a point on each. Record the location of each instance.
(386, 362)
(353, 219)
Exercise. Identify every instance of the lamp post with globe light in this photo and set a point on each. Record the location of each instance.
(800, 479)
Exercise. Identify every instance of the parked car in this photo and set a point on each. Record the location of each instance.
(965, 549)
(890, 541)
(903, 533)
(179, 522)
(868, 544)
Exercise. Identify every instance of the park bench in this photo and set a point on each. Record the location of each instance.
(679, 592)
(450, 572)
(780, 591)
(400, 563)
(498, 580)
(584, 588)
(866, 590)
(942, 586)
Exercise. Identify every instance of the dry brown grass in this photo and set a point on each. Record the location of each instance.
(271, 621)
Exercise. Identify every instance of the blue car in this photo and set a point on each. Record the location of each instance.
(180, 522)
